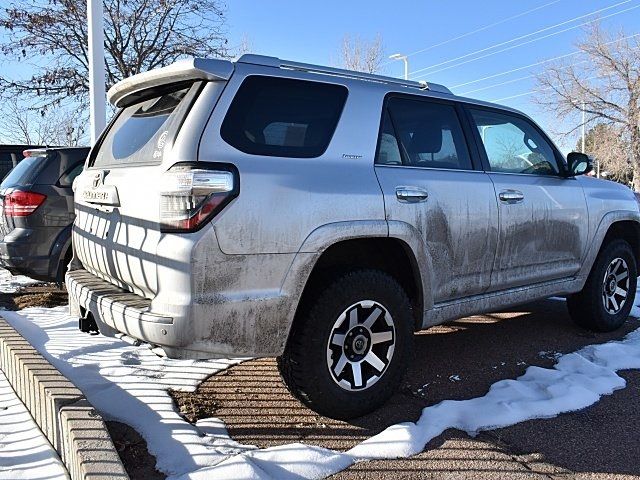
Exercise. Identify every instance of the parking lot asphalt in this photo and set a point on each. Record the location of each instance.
(458, 360)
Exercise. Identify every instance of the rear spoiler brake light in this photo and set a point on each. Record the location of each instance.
(34, 153)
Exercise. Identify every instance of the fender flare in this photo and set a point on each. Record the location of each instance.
(411, 236)
(58, 250)
(323, 237)
(598, 238)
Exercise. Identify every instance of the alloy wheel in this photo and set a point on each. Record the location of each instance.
(361, 345)
(615, 286)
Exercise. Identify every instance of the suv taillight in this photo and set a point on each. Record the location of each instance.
(22, 204)
(192, 195)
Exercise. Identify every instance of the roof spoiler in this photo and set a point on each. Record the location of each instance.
(128, 91)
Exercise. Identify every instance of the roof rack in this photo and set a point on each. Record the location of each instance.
(340, 72)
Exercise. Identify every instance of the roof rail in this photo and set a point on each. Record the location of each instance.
(339, 72)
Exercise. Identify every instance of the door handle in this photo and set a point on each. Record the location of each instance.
(511, 196)
(411, 194)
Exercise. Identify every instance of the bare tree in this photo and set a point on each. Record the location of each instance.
(606, 85)
(27, 125)
(361, 55)
(245, 46)
(139, 35)
(610, 147)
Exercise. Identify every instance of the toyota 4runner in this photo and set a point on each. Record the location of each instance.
(274, 208)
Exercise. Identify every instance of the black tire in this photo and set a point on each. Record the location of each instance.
(587, 308)
(305, 363)
(62, 267)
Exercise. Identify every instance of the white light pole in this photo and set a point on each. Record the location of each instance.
(583, 121)
(484, 128)
(398, 56)
(97, 93)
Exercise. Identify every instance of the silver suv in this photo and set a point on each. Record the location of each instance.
(273, 208)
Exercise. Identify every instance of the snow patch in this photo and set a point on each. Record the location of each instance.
(25, 453)
(11, 283)
(129, 384)
(549, 355)
(577, 381)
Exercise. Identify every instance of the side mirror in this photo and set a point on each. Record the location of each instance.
(579, 164)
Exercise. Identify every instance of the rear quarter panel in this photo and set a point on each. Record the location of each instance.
(283, 200)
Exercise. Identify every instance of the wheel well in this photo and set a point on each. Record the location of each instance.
(389, 255)
(626, 230)
(63, 260)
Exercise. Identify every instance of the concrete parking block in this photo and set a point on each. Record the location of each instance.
(87, 447)
(76, 431)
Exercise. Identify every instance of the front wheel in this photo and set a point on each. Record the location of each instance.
(350, 346)
(604, 303)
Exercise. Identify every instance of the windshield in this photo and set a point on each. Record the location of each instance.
(23, 173)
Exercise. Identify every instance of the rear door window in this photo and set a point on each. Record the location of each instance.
(421, 133)
(283, 117)
(140, 131)
(6, 161)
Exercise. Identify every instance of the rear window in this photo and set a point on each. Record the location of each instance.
(23, 173)
(141, 131)
(282, 117)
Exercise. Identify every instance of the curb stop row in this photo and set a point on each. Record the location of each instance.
(70, 423)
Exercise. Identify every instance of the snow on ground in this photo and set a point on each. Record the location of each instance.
(25, 453)
(128, 384)
(578, 380)
(10, 283)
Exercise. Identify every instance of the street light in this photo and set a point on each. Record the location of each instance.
(483, 129)
(398, 56)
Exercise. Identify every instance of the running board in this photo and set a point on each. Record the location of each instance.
(488, 302)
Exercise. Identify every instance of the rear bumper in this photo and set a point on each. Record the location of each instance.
(123, 311)
(201, 332)
(208, 304)
(18, 255)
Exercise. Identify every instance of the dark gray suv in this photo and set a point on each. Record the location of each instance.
(36, 212)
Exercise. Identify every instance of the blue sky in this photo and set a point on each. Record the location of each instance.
(455, 43)
(312, 32)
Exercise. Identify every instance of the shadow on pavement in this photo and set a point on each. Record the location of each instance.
(458, 360)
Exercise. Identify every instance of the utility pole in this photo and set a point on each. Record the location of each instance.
(398, 56)
(97, 93)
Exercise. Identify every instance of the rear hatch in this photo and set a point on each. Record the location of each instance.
(118, 197)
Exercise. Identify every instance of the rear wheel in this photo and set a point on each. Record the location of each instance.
(605, 301)
(62, 267)
(350, 346)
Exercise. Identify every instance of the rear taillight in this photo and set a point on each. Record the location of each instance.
(21, 204)
(191, 195)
